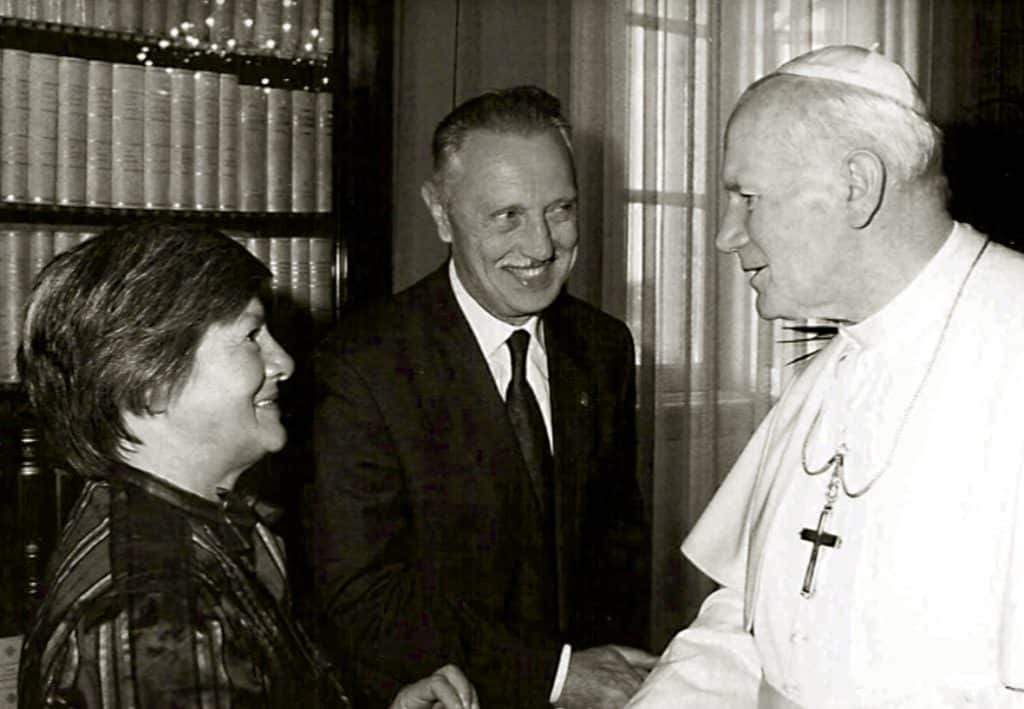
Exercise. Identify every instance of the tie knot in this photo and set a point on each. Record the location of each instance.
(518, 343)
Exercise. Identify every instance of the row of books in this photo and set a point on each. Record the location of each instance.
(96, 133)
(302, 279)
(286, 28)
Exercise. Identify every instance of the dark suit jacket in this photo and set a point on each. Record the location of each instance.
(421, 503)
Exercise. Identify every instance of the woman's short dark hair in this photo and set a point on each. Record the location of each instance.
(112, 326)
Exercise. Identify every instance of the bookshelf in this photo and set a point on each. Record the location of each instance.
(316, 105)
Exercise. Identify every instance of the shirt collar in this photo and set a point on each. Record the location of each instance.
(490, 332)
(925, 303)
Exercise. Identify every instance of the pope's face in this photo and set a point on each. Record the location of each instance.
(782, 220)
(227, 410)
(510, 217)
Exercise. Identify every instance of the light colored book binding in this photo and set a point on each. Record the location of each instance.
(324, 152)
(72, 123)
(321, 282)
(15, 272)
(99, 97)
(267, 32)
(14, 107)
(279, 150)
(303, 151)
(42, 128)
(157, 138)
(227, 144)
(127, 135)
(325, 44)
(300, 272)
(252, 148)
(183, 112)
(129, 15)
(207, 141)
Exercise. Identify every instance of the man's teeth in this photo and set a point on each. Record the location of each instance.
(526, 273)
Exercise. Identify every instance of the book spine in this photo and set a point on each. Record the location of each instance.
(227, 144)
(309, 28)
(324, 151)
(300, 273)
(10, 657)
(104, 14)
(76, 12)
(245, 24)
(325, 42)
(259, 247)
(40, 251)
(51, 10)
(15, 268)
(196, 12)
(176, 18)
(252, 148)
(156, 138)
(183, 111)
(321, 285)
(127, 135)
(72, 136)
(42, 128)
(280, 268)
(154, 18)
(267, 33)
(207, 140)
(33, 519)
(98, 133)
(14, 107)
(279, 150)
(129, 15)
(64, 239)
(291, 26)
(222, 23)
(304, 155)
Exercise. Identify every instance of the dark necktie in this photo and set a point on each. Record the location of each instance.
(527, 419)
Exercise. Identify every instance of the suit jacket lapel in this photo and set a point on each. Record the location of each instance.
(464, 381)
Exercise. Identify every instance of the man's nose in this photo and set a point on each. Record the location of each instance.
(537, 243)
(732, 234)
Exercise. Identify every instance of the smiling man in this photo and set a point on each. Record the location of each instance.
(476, 496)
(869, 541)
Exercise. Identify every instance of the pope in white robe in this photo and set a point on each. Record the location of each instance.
(905, 431)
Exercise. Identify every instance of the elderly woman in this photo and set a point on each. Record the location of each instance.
(147, 358)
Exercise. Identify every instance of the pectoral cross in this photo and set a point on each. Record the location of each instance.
(819, 537)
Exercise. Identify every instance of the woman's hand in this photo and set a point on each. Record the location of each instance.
(447, 688)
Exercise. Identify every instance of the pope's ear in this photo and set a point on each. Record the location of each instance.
(432, 197)
(864, 175)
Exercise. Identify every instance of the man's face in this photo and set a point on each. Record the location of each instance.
(510, 216)
(783, 219)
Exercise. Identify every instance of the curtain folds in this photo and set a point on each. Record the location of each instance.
(652, 84)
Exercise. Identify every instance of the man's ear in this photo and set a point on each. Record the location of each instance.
(432, 198)
(865, 176)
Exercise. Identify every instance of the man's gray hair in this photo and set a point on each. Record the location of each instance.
(523, 110)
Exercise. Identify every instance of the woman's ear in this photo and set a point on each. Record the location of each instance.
(865, 177)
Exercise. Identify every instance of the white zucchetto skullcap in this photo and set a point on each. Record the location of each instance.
(850, 64)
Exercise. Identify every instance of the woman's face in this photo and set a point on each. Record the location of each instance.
(227, 410)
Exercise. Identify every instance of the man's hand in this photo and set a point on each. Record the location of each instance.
(604, 677)
(447, 688)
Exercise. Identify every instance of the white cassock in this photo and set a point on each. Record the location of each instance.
(922, 603)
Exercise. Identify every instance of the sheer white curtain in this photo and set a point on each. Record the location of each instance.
(657, 80)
